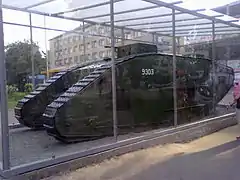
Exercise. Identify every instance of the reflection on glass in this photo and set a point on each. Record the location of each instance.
(144, 97)
(196, 85)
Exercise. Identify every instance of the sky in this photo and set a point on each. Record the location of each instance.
(17, 33)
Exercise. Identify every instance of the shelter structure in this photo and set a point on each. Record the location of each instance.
(168, 18)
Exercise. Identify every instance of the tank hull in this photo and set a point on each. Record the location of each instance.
(144, 97)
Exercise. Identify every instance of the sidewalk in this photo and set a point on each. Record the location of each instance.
(216, 156)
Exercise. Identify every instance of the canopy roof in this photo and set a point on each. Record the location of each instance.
(142, 15)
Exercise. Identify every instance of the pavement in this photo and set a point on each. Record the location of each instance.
(216, 156)
(11, 117)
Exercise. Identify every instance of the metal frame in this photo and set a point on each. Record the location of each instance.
(7, 170)
(169, 21)
(213, 65)
(32, 54)
(4, 108)
(174, 68)
(154, 16)
(114, 96)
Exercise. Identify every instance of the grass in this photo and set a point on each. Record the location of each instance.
(14, 98)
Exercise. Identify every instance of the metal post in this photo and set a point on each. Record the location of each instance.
(153, 38)
(32, 54)
(228, 46)
(4, 107)
(84, 41)
(213, 65)
(174, 68)
(178, 45)
(114, 98)
(47, 58)
(122, 36)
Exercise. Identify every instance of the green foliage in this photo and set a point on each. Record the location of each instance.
(28, 87)
(11, 89)
(18, 62)
(14, 98)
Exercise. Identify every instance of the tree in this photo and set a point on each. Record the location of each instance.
(18, 62)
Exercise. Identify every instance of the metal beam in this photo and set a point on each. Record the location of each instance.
(39, 4)
(70, 18)
(154, 16)
(4, 107)
(182, 25)
(87, 7)
(127, 11)
(213, 66)
(208, 34)
(163, 22)
(170, 21)
(238, 30)
(114, 91)
(160, 3)
(47, 54)
(74, 31)
(32, 54)
(174, 69)
(188, 29)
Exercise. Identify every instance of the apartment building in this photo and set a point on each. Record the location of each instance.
(70, 49)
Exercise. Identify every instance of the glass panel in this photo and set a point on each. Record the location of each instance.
(126, 5)
(67, 107)
(21, 3)
(144, 91)
(204, 4)
(13, 16)
(198, 82)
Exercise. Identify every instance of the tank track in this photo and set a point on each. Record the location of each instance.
(57, 105)
(29, 110)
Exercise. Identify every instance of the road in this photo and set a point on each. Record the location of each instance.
(216, 156)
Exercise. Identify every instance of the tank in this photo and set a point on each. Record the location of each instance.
(29, 110)
(144, 96)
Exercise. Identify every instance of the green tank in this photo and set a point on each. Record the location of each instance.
(144, 96)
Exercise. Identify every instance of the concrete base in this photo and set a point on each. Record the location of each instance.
(183, 134)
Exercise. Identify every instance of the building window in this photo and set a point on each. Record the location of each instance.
(74, 38)
(80, 37)
(75, 59)
(81, 47)
(70, 60)
(108, 41)
(88, 46)
(101, 42)
(65, 51)
(81, 58)
(109, 53)
(101, 54)
(88, 56)
(65, 61)
(101, 30)
(56, 63)
(69, 39)
(94, 55)
(94, 44)
(69, 50)
(127, 35)
(118, 39)
(75, 48)
(61, 63)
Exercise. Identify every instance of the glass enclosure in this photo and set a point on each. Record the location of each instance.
(64, 99)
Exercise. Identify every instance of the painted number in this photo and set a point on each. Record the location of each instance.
(147, 72)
